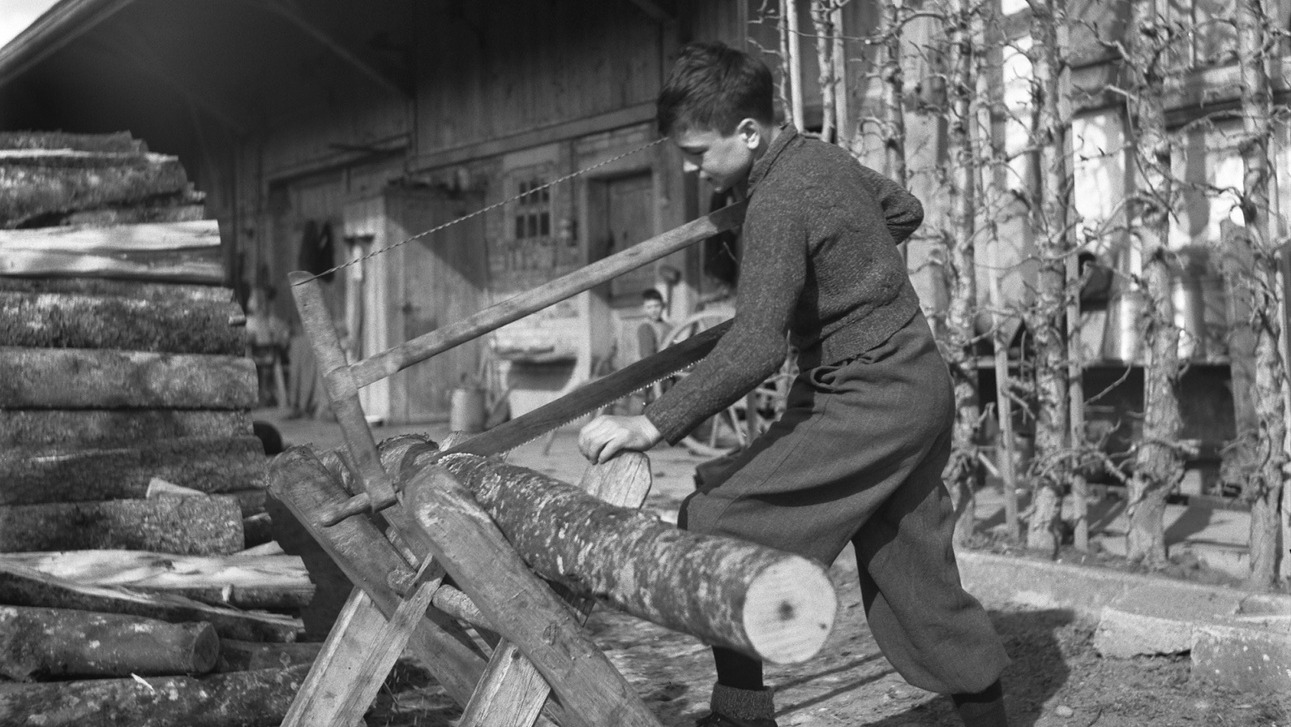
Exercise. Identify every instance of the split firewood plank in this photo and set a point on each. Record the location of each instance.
(49, 643)
(278, 582)
(75, 320)
(184, 526)
(236, 655)
(78, 378)
(308, 489)
(21, 586)
(524, 609)
(31, 475)
(95, 428)
(43, 182)
(187, 266)
(760, 601)
(117, 238)
(512, 690)
(246, 698)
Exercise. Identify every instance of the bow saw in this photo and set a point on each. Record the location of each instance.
(342, 380)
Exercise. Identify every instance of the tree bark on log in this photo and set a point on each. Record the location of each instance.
(63, 474)
(71, 320)
(129, 289)
(774, 605)
(46, 643)
(47, 182)
(95, 428)
(247, 699)
(42, 378)
(120, 141)
(184, 526)
(20, 586)
(278, 582)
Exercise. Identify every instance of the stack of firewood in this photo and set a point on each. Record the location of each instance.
(135, 552)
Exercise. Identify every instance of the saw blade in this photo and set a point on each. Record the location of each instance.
(592, 396)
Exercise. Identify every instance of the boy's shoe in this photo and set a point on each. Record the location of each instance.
(717, 719)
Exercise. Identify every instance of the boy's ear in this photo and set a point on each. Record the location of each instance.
(750, 132)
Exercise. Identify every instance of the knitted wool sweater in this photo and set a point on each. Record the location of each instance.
(820, 263)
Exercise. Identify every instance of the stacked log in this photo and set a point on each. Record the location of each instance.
(128, 459)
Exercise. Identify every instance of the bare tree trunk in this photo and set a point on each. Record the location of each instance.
(842, 112)
(1158, 467)
(793, 60)
(1267, 484)
(822, 17)
(964, 33)
(893, 126)
(988, 166)
(1054, 246)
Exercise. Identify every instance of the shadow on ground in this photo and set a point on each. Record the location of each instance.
(1039, 669)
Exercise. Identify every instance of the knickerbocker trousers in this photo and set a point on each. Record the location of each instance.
(858, 456)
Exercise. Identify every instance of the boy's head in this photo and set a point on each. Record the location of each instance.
(717, 105)
(652, 304)
(713, 87)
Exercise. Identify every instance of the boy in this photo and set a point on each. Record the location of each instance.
(650, 335)
(857, 456)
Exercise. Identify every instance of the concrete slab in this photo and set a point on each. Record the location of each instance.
(1235, 638)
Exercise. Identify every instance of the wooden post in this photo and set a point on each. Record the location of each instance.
(513, 691)
(342, 388)
(524, 609)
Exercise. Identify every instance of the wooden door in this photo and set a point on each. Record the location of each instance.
(622, 213)
(444, 278)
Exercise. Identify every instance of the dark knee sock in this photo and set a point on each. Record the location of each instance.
(737, 670)
(982, 709)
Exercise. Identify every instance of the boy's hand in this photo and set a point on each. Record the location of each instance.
(605, 436)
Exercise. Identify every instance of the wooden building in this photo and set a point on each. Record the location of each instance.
(326, 130)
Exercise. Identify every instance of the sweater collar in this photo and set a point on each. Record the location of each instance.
(788, 134)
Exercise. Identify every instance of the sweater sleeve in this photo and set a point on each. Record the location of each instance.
(901, 210)
(773, 271)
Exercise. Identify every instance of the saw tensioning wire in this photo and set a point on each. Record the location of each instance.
(479, 212)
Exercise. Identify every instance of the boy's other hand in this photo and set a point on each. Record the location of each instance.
(605, 436)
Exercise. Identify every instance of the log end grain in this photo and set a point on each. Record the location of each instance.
(789, 610)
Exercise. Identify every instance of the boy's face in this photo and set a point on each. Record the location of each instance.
(723, 161)
(653, 309)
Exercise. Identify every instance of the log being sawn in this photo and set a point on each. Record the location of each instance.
(767, 603)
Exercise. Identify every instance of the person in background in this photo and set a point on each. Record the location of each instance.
(650, 336)
(267, 339)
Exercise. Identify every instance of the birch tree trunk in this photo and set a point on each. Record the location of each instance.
(1267, 483)
(822, 17)
(964, 33)
(1158, 467)
(1050, 211)
(892, 128)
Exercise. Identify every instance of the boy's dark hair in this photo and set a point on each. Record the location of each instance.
(651, 294)
(714, 86)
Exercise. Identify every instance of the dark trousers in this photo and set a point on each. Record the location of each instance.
(857, 457)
